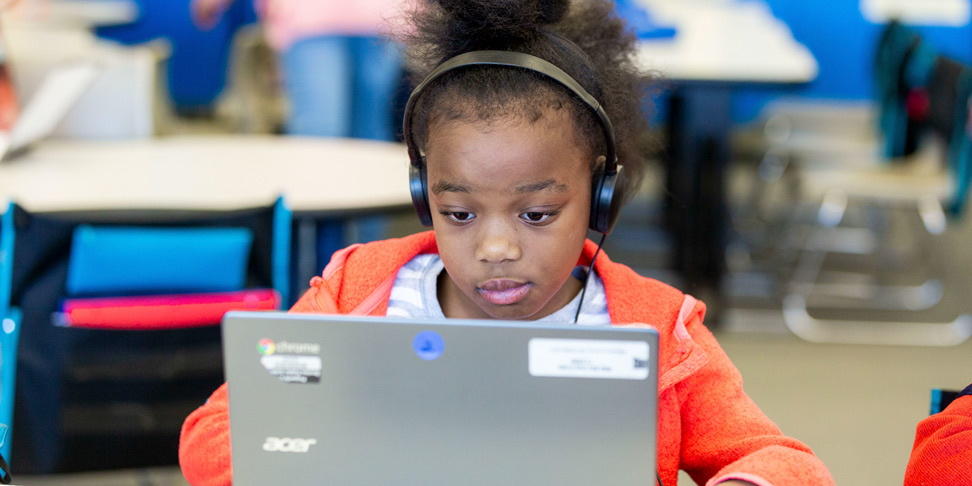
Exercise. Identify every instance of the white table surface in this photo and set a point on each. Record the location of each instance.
(208, 172)
(725, 40)
(80, 13)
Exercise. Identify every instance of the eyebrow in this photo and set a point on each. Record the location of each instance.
(446, 186)
(548, 184)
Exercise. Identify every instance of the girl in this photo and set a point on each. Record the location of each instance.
(515, 154)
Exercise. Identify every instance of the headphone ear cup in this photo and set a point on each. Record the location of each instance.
(606, 199)
(418, 186)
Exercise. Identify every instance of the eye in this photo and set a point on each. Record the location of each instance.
(537, 217)
(459, 216)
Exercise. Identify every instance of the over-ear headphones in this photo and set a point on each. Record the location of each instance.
(606, 188)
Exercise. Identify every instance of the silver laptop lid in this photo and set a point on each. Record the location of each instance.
(318, 399)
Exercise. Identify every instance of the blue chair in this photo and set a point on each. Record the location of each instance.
(8, 377)
(108, 397)
(920, 93)
(10, 319)
(940, 399)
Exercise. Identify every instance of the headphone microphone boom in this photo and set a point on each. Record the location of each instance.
(606, 184)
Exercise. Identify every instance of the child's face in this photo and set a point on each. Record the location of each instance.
(510, 207)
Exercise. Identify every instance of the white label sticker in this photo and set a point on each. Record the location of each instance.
(588, 358)
(293, 368)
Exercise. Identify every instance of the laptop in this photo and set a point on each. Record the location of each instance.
(58, 92)
(323, 399)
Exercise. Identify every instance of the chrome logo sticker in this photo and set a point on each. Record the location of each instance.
(266, 346)
(291, 362)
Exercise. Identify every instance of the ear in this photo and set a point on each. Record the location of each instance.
(596, 169)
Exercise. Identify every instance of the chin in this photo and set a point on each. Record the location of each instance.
(513, 312)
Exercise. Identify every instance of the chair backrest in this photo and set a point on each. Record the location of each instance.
(9, 334)
(960, 134)
(97, 397)
(10, 318)
(897, 43)
(923, 92)
(941, 398)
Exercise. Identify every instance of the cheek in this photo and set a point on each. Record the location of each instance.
(451, 240)
(559, 252)
(455, 254)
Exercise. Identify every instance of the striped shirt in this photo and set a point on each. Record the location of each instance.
(414, 295)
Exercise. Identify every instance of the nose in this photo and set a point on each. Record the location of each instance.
(498, 244)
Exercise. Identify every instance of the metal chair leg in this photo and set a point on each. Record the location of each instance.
(802, 324)
(804, 284)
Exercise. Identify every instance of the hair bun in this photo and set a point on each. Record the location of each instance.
(552, 11)
(511, 20)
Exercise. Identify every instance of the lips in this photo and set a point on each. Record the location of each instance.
(503, 291)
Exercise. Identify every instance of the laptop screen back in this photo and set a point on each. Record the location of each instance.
(320, 399)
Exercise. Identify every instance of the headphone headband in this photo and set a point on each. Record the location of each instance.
(519, 60)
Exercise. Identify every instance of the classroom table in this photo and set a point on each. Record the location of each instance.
(719, 46)
(75, 13)
(320, 179)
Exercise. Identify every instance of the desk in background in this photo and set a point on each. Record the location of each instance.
(719, 45)
(320, 179)
(74, 13)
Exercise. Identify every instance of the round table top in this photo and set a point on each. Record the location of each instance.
(725, 41)
(208, 173)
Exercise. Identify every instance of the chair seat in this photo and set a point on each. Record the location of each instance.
(904, 181)
(833, 119)
(825, 150)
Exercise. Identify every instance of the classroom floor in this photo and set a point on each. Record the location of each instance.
(856, 406)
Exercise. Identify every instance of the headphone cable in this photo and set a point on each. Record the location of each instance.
(581, 304)
(587, 279)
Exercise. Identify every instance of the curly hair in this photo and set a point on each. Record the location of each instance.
(584, 38)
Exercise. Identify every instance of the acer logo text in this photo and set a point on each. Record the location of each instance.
(287, 444)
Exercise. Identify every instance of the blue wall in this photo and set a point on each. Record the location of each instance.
(843, 42)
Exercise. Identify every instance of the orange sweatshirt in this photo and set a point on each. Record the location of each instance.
(707, 425)
(942, 453)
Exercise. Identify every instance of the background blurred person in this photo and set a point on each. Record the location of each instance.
(340, 78)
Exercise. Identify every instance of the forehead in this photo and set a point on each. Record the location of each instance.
(506, 154)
